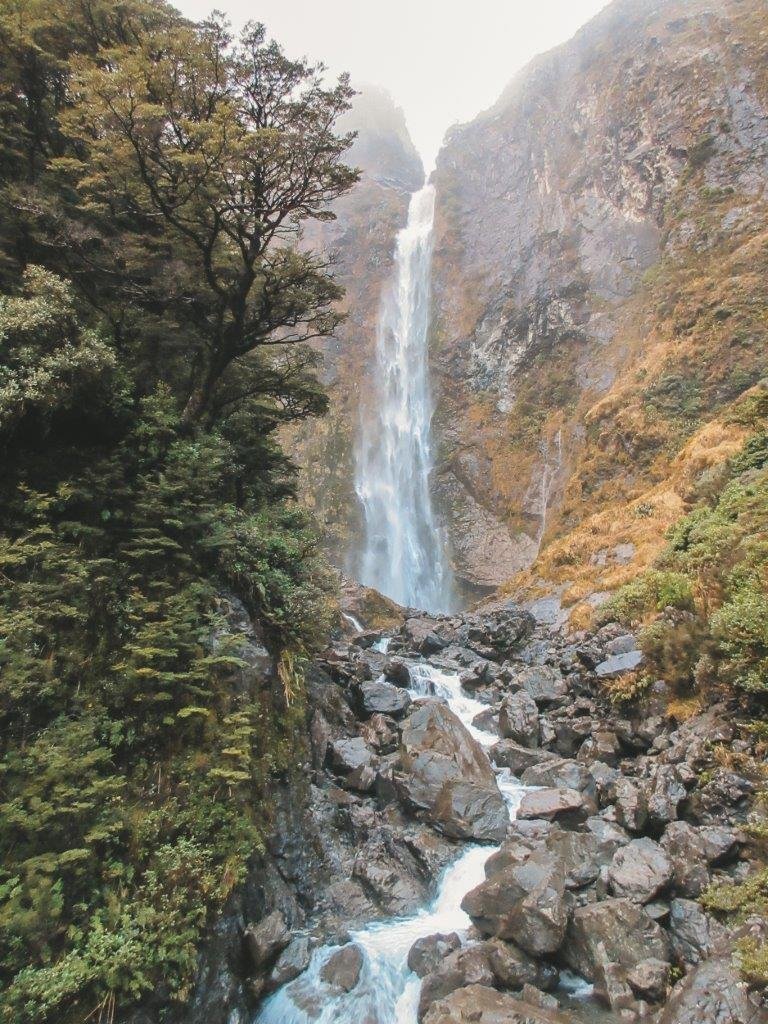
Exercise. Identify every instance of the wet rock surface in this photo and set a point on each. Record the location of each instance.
(625, 820)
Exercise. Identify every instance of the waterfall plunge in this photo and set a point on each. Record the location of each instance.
(403, 555)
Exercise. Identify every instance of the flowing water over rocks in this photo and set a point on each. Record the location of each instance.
(577, 909)
(387, 990)
(403, 554)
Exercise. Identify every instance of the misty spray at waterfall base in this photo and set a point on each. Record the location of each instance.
(404, 553)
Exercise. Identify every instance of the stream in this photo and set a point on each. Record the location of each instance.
(388, 992)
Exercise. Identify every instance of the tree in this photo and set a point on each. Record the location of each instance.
(37, 40)
(208, 154)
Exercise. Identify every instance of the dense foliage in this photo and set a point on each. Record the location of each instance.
(155, 304)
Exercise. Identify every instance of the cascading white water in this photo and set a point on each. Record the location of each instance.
(404, 554)
(388, 991)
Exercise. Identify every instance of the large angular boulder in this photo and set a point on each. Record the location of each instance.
(291, 962)
(396, 671)
(346, 755)
(524, 901)
(544, 683)
(694, 934)
(341, 971)
(687, 851)
(649, 979)
(615, 931)
(427, 953)
(496, 634)
(566, 805)
(483, 1005)
(665, 792)
(380, 697)
(265, 940)
(508, 754)
(468, 966)
(564, 773)
(579, 855)
(519, 719)
(631, 805)
(640, 871)
(712, 993)
(512, 968)
(618, 664)
(446, 774)
(425, 635)
(571, 732)
(390, 874)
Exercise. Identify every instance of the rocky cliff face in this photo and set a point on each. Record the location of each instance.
(362, 238)
(600, 244)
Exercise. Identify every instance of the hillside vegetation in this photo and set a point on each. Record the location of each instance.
(154, 311)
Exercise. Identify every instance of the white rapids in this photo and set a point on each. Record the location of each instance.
(388, 992)
(403, 554)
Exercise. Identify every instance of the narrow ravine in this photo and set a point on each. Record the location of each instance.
(388, 992)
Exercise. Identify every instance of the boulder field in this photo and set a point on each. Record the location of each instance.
(628, 815)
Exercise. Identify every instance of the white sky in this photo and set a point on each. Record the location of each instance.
(442, 60)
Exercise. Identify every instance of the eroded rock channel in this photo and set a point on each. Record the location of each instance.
(485, 838)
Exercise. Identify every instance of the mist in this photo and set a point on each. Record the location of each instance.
(442, 61)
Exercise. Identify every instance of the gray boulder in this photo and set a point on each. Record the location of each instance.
(631, 805)
(563, 774)
(346, 755)
(544, 683)
(342, 969)
(396, 671)
(519, 719)
(266, 940)
(483, 1005)
(380, 697)
(609, 836)
(570, 734)
(566, 805)
(579, 855)
(687, 851)
(694, 934)
(508, 754)
(427, 953)
(712, 993)
(603, 745)
(525, 901)
(615, 931)
(640, 871)
(665, 792)
(445, 773)
(649, 979)
(720, 843)
(292, 961)
(468, 966)
(497, 634)
(618, 664)
(512, 968)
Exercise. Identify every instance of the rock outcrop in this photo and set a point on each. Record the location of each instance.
(584, 225)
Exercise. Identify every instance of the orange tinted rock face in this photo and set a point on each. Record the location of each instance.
(600, 237)
(601, 248)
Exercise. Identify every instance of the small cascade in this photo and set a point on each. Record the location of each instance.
(388, 991)
(404, 553)
(354, 622)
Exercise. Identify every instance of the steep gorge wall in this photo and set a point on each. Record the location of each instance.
(600, 259)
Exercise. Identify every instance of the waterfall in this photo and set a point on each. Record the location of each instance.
(403, 554)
